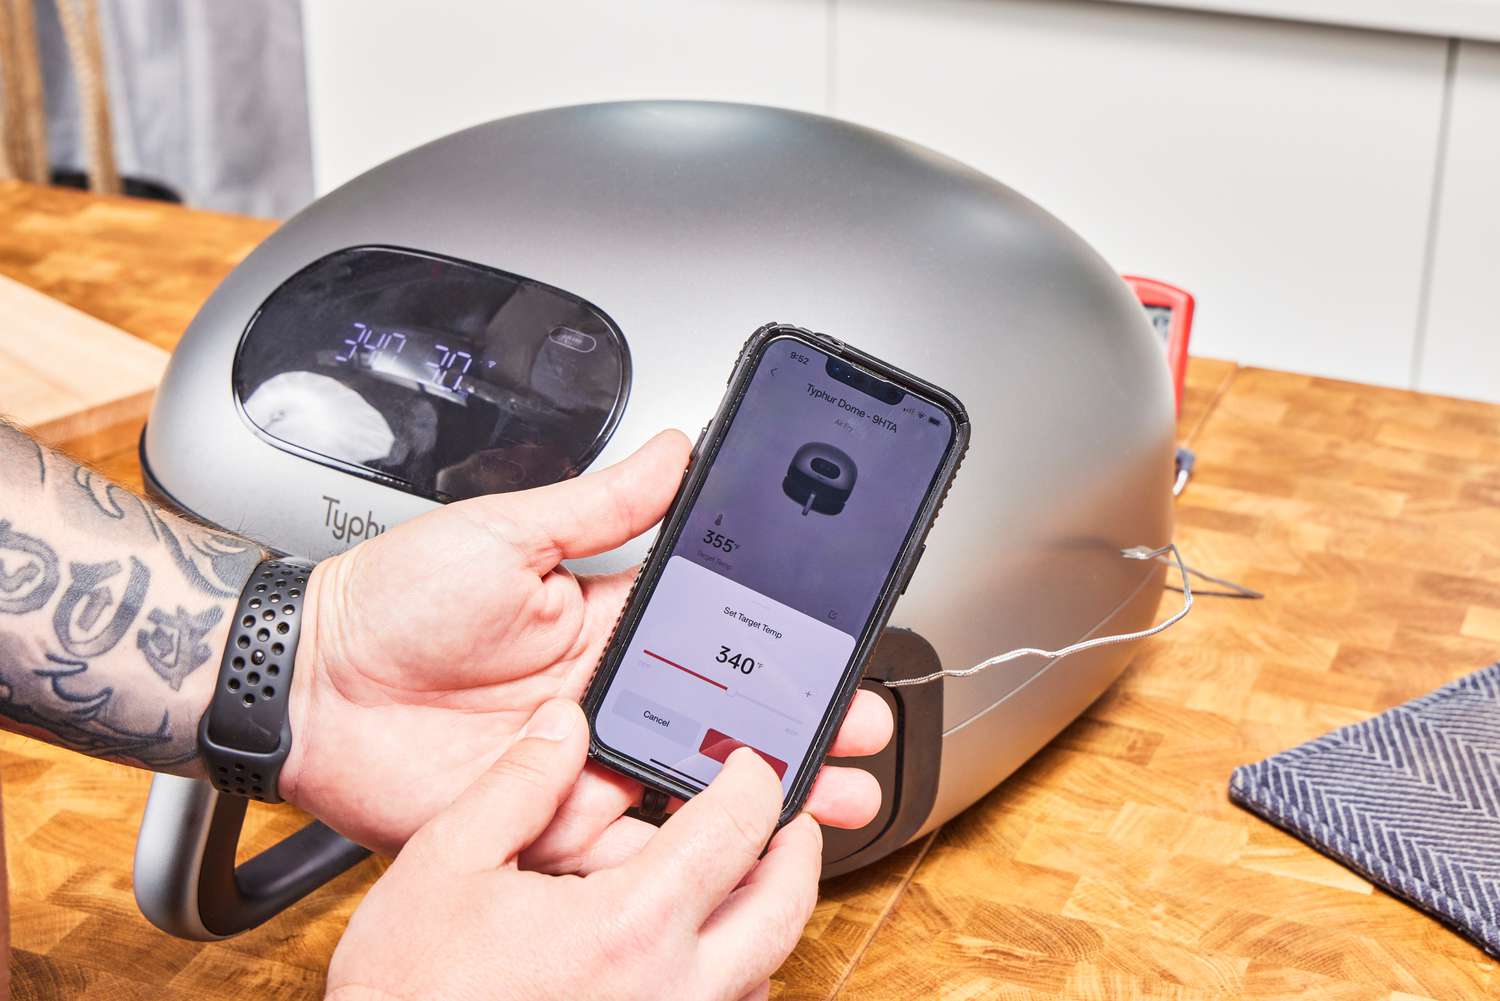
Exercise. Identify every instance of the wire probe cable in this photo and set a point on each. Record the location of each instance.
(1133, 553)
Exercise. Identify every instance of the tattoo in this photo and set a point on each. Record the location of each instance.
(175, 647)
(214, 563)
(112, 501)
(28, 572)
(104, 574)
(76, 627)
(47, 692)
(99, 507)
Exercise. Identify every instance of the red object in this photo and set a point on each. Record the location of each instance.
(1175, 305)
(685, 670)
(718, 746)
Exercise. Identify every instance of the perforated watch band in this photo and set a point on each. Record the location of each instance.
(245, 736)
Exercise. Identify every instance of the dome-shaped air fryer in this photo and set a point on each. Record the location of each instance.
(532, 297)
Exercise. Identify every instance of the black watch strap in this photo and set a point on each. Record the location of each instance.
(246, 734)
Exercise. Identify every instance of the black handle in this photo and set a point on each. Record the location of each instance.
(232, 900)
(186, 882)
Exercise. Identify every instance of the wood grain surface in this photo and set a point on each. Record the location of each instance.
(1111, 866)
(70, 377)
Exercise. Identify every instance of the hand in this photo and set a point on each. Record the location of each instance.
(696, 914)
(425, 650)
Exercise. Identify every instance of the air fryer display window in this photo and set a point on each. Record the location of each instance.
(449, 378)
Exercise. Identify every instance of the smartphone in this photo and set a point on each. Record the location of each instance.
(801, 517)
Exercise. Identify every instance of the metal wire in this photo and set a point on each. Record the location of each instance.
(1233, 590)
(1133, 553)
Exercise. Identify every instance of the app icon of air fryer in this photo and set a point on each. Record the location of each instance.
(820, 478)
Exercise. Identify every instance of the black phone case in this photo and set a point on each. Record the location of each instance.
(661, 547)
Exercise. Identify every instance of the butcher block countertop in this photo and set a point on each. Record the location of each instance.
(1111, 866)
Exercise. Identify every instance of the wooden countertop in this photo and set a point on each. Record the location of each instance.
(1111, 866)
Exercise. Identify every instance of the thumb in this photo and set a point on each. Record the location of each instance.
(592, 513)
(511, 804)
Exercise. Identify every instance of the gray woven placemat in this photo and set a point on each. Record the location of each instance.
(1410, 800)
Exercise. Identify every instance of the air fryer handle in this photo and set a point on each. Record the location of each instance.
(186, 882)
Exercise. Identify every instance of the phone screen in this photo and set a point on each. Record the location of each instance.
(778, 569)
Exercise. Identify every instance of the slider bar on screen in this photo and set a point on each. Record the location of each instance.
(768, 708)
(685, 670)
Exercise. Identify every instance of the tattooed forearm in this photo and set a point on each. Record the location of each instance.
(109, 608)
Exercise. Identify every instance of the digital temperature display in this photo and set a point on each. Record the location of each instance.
(384, 350)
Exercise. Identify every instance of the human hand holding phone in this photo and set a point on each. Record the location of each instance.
(697, 912)
(426, 648)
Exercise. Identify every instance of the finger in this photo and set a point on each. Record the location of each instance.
(592, 513)
(611, 848)
(605, 595)
(608, 590)
(510, 804)
(866, 729)
(760, 993)
(706, 847)
(590, 833)
(599, 799)
(844, 797)
(760, 924)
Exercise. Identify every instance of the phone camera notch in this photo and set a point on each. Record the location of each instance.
(864, 382)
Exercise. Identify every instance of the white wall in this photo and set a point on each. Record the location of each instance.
(1291, 175)
(1281, 173)
(387, 75)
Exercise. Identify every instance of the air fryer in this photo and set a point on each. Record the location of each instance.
(530, 298)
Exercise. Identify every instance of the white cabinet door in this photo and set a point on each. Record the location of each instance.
(1281, 172)
(1444, 18)
(387, 75)
(1461, 343)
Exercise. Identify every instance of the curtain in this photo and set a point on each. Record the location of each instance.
(208, 98)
